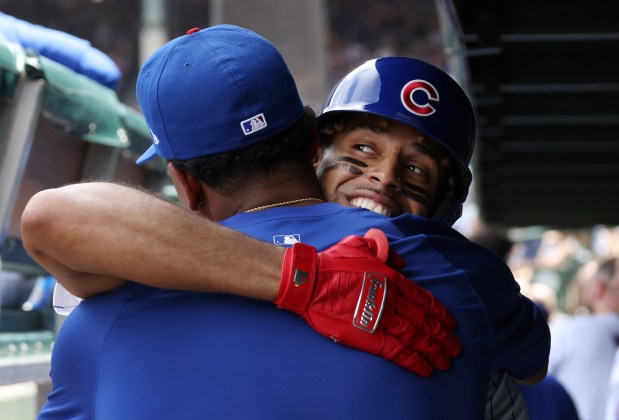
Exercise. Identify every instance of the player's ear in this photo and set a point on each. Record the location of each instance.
(188, 188)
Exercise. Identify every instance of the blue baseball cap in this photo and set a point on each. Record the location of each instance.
(215, 90)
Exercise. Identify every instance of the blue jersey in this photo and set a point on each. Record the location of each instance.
(147, 353)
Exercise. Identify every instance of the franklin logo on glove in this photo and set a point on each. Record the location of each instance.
(371, 302)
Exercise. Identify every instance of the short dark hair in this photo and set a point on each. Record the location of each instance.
(228, 172)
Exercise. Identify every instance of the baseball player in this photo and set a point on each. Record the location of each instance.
(366, 128)
(260, 362)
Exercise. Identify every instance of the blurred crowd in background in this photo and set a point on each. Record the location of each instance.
(358, 29)
(558, 269)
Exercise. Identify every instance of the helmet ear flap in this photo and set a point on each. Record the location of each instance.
(454, 192)
(448, 211)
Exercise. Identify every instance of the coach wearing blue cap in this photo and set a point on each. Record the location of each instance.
(213, 91)
(223, 110)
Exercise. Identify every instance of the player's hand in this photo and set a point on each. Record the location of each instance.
(349, 294)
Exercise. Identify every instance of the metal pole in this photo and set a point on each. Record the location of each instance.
(18, 127)
(153, 31)
(297, 28)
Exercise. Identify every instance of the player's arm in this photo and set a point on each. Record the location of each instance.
(94, 236)
(521, 330)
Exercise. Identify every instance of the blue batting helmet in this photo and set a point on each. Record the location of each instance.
(422, 96)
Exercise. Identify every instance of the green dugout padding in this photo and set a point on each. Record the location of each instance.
(73, 102)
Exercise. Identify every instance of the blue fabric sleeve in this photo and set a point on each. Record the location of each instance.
(521, 334)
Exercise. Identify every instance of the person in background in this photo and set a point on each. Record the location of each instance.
(584, 346)
(547, 400)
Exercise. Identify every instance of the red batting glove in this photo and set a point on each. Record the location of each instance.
(350, 295)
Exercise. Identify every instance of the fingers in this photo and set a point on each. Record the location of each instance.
(442, 314)
(414, 362)
(434, 353)
(437, 345)
(437, 324)
(421, 330)
(419, 304)
(446, 338)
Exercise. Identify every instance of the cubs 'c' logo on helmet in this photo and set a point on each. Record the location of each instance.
(421, 109)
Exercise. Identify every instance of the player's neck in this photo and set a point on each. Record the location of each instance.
(295, 188)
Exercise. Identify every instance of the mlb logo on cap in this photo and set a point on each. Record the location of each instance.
(254, 124)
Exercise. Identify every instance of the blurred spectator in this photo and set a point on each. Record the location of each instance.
(559, 257)
(111, 26)
(605, 241)
(544, 296)
(359, 29)
(578, 296)
(612, 404)
(547, 400)
(366, 29)
(584, 346)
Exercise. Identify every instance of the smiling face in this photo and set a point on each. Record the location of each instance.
(381, 165)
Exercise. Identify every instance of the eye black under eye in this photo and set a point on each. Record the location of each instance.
(418, 194)
(351, 160)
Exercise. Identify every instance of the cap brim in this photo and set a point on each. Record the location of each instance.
(147, 155)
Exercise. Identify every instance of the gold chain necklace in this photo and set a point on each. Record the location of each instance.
(284, 203)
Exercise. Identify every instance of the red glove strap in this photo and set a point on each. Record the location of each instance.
(298, 278)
